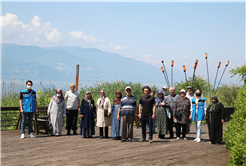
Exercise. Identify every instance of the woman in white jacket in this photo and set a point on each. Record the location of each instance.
(103, 103)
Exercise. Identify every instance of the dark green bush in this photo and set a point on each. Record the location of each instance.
(235, 133)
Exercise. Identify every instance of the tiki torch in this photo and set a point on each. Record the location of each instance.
(185, 74)
(165, 72)
(206, 57)
(77, 77)
(172, 73)
(216, 75)
(195, 65)
(162, 69)
(222, 75)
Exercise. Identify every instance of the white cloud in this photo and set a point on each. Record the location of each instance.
(147, 59)
(116, 47)
(36, 22)
(60, 68)
(184, 56)
(126, 47)
(101, 47)
(90, 38)
(53, 36)
(88, 68)
(13, 29)
(75, 35)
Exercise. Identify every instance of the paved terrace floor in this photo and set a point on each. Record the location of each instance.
(75, 150)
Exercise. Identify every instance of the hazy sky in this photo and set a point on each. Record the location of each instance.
(146, 31)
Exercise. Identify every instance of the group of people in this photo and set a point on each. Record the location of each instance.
(164, 110)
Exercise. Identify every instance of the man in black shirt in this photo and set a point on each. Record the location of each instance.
(147, 105)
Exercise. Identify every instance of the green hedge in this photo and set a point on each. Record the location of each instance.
(235, 133)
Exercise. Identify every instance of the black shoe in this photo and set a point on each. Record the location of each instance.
(170, 137)
(68, 132)
(101, 137)
(123, 140)
(106, 136)
(130, 140)
(74, 132)
(89, 136)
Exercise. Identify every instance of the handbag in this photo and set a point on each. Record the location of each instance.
(106, 113)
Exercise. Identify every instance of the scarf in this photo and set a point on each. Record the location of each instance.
(158, 100)
(57, 99)
(213, 105)
(117, 99)
(89, 100)
(102, 100)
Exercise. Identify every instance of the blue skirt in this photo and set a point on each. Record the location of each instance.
(115, 125)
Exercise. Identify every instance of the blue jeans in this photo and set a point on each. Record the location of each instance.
(23, 122)
(147, 120)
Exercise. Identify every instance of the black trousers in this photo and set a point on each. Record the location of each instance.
(178, 127)
(147, 120)
(71, 120)
(106, 131)
(170, 126)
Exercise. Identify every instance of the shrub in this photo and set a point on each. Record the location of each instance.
(235, 133)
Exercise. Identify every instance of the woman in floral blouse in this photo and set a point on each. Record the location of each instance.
(182, 113)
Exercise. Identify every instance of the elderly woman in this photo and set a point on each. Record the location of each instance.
(103, 105)
(115, 125)
(215, 120)
(56, 112)
(199, 107)
(182, 113)
(87, 114)
(161, 114)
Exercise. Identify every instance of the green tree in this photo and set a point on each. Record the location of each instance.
(199, 82)
(241, 71)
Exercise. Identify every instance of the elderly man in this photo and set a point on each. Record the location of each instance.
(126, 110)
(164, 90)
(72, 98)
(171, 99)
(190, 96)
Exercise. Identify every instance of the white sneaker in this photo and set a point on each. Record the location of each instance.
(31, 135)
(198, 140)
(177, 138)
(209, 142)
(185, 138)
(22, 136)
(195, 139)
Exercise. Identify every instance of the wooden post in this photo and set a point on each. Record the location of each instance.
(77, 77)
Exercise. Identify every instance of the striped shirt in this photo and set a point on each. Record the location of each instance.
(128, 105)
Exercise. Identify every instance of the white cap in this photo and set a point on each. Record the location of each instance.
(182, 90)
(128, 87)
(189, 87)
(164, 87)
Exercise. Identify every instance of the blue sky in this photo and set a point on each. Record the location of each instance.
(146, 31)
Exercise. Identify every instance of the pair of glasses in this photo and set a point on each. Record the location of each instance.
(128, 90)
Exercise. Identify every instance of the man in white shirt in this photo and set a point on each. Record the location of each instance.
(72, 98)
(190, 96)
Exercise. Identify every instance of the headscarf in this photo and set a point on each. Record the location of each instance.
(213, 105)
(58, 99)
(89, 100)
(158, 100)
(117, 99)
(102, 99)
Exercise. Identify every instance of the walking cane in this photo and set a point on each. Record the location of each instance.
(172, 73)
(164, 75)
(195, 65)
(185, 74)
(222, 75)
(216, 75)
(206, 57)
(165, 72)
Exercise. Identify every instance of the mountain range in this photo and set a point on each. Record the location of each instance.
(59, 63)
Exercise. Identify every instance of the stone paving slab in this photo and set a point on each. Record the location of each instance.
(75, 150)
